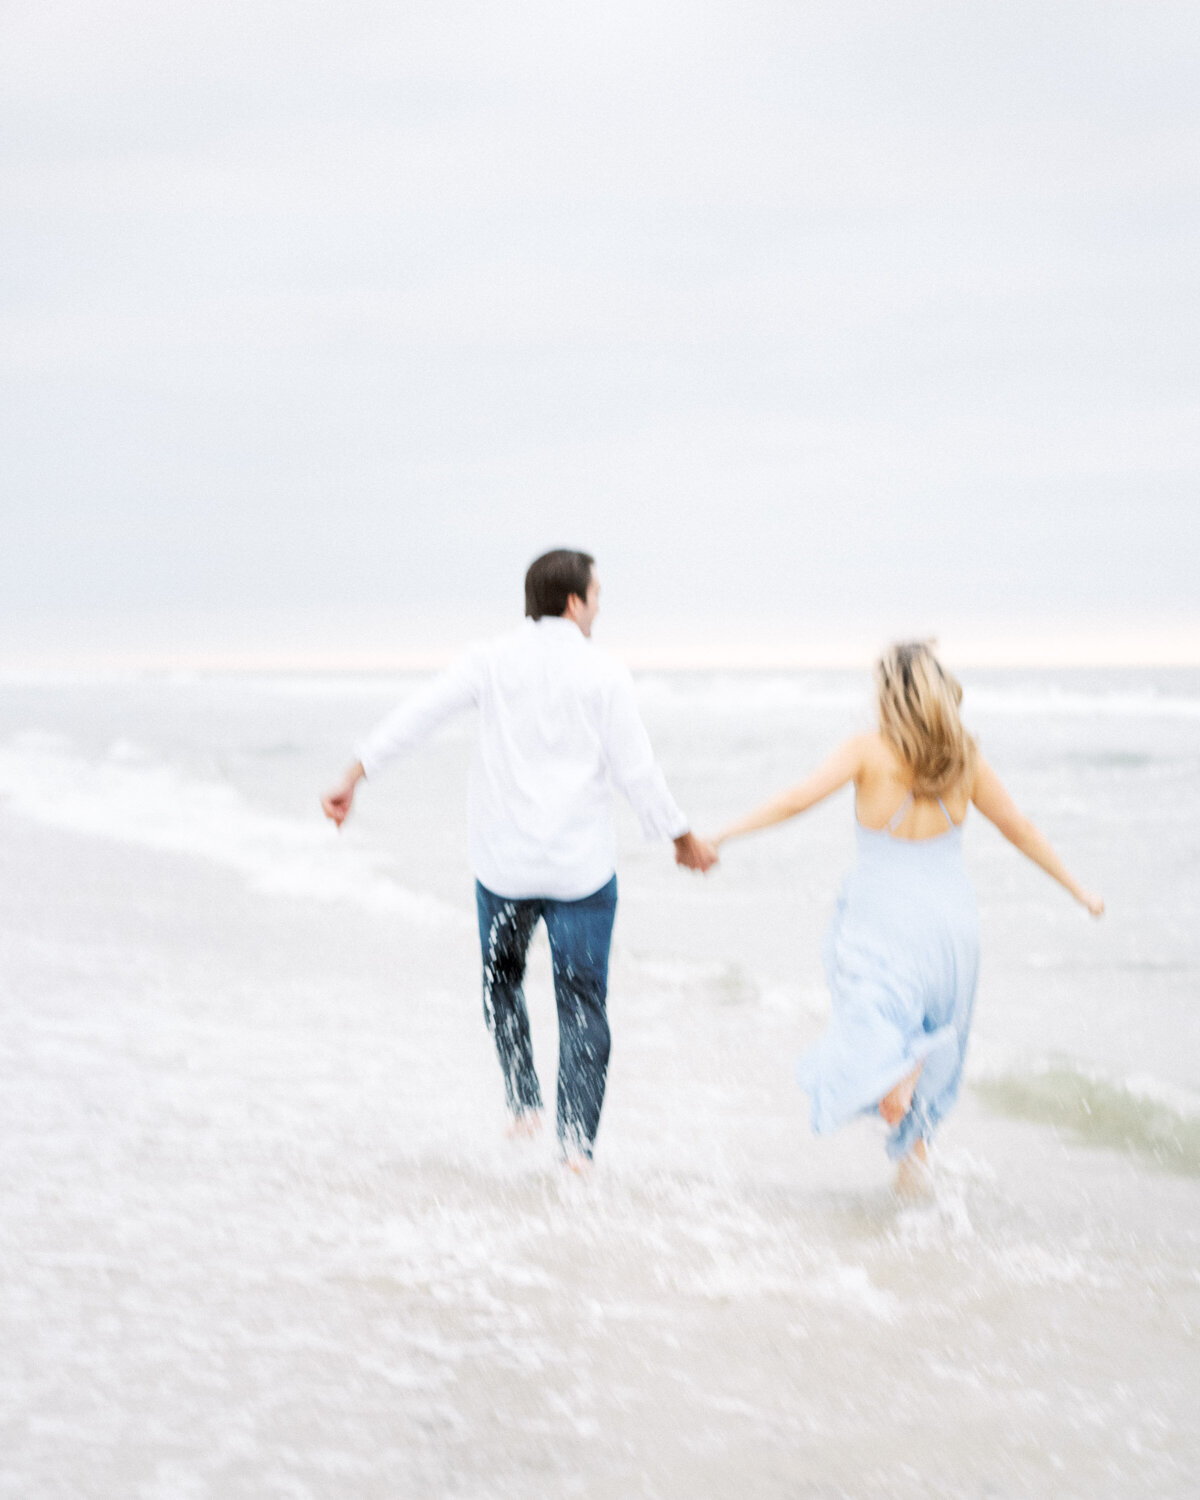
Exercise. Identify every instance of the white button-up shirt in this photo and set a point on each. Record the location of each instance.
(557, 718)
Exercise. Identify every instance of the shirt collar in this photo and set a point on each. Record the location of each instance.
(556, 622)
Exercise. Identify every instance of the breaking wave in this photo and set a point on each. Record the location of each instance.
(133, 799)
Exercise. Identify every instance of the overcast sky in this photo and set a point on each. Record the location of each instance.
(818, 324)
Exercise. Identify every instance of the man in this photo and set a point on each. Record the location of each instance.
(557, 719)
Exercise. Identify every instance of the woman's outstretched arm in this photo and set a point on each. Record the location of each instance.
(990, 797)
(842, 766)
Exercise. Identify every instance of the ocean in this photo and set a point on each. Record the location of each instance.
(261, 1231)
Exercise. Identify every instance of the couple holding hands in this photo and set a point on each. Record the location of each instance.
(558, 720)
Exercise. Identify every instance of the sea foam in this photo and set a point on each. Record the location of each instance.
(757, 694)
(129, 797)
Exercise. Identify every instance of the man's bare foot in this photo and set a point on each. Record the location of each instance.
(913, 1178)
(524, 1126)
(896, 1103)
(580, 1165)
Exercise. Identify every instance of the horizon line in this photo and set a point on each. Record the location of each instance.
(344, 663)
(376, 645)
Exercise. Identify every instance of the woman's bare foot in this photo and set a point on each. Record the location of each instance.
(912, 1175)
(896, 1103)
(524, 1126)
(580, 1165)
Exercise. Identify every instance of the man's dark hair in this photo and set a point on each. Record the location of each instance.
(553, 578)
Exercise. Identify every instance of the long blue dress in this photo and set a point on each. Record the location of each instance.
(902, 960)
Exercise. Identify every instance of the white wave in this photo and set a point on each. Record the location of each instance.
(727, 982)
(1169, 1096)
(736, 694)
(1057, 701)
(942, 1220)
(724, 981)
(1030, 1264)
(750, 693)
(718, 693)
(851, 1287)
(128, 797)
(742, 693)
(388, 686)
(392, 688)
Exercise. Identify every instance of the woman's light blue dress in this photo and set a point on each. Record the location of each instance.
(902, 960)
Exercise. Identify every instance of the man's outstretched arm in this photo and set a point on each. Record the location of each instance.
(420, 715)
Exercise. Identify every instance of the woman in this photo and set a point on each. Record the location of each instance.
(902, 952)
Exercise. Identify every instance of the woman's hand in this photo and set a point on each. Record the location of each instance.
(1094, 904)
(337, 803)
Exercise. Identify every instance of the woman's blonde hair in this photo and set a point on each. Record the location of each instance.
(918, 717)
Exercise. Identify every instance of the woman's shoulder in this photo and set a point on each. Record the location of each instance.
(874, 753)
(866, 759)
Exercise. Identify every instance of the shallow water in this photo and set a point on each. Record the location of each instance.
(262, 1233)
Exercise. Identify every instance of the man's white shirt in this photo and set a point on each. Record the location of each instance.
(557, 718)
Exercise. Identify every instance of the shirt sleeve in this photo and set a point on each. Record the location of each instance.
(422, 714)
(633, 767)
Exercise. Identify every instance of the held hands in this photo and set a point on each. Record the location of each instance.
(694, 853)
(337, 803)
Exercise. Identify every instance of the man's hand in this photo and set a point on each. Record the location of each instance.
(694, 853)
(336, 804)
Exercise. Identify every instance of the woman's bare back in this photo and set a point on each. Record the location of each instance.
(884, 782)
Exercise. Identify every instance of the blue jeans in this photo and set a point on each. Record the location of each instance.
(580, 935)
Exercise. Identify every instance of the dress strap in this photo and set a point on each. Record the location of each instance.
(898, 816)
(949, 819)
